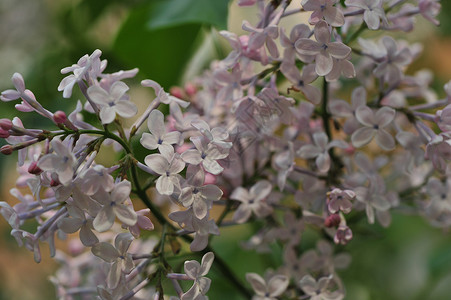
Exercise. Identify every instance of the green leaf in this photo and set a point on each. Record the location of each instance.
(160, 37)
(167, 13)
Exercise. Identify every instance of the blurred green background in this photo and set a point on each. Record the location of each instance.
(170, 41)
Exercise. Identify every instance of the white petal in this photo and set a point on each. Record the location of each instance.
(385, 140)
(157, 163)
(155, 123)
(125, 109)
(362, 136)
(104, 219)
(125, 214)
(105, 251)
(277, 285)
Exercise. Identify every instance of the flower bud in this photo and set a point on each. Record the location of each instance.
(60, 117)
(54, 183)
(34, 169)
(176, 92)
(190, 89)
(332, 221)
(4, 133)
(6, 124)
(7, 149)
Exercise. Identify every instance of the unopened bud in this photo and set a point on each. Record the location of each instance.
(176, 92)
(7, 149)
(4, 133)
(34, 169)
(190, 89)
(54, 183)
(332, 221)
(6, 124)
(60, 117)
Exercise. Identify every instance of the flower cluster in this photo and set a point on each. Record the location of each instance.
(286, 161)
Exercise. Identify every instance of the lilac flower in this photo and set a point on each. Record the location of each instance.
(216, 136)
(200, 198)
(339, 200)
(206, 155)
(62, 162)
(323, 49)
(19, 84)
(81, 71)
(113, 206)
(78, 221)
(438, 207)
(374, 124)
(341, 108)
(341, 67)
(196, 272)
(303, 81)
(343, 235)
(297, 32)
(168, 168)
(163, 96)
(158, 138)
(393, 61)
(260, 37)
(438, 151)
(292, 230)
(268, 289)
(376, 204)
(112, 102)
(429, 9)
(252, 201)
(373, 11)
(320, 150)
(143, 222)
(121, 261)
(318, 290)
(326, 9)
(201, 228)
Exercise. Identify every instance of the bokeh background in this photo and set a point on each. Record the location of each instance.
(170, 41)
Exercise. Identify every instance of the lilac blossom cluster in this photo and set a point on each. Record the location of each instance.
(262, 136)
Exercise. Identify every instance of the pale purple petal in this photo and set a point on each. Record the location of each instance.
(105, 251)
(125, 214)
(365, 115)
(155, 123)
(385, 140)
(362, 136)
(125, 108)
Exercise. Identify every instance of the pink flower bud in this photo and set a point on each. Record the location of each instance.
(4, 133)
(7, 149)
(210, 178)
(34, 169)
(332, 221)
(54, 182)
(190, 89)
(60, 117)
(6, 124)
(176, 92)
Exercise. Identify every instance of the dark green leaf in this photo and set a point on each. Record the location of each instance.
(168, 13)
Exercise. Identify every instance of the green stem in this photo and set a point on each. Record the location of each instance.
(356, 33)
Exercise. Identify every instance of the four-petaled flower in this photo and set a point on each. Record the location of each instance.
(323, 49)
(374, 124)
(196, 272)
(158, 138)
(113, 206)
(252, 201)
(121, 261)
(268, 289)
(112, 102)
